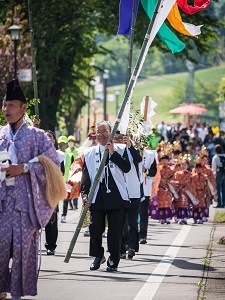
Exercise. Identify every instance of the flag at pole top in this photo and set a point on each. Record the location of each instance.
(125, 16)
(176, 22)
(198, 6)
(165, 34)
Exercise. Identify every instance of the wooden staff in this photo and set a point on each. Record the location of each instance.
(128, 94)
(146, 108)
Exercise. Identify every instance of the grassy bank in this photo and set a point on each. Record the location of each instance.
(161, 89)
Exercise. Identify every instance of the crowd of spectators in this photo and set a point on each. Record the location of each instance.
(192, 137)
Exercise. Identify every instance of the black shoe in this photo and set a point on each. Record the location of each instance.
(123, 255)
(110, 269)
(130, 254)
(50, 252)
(143, 241)
(97, 263)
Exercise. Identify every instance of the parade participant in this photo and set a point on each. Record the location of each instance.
(89, 142)
(110, 198)
(218, 167)
(153, 209)
(62, 145)
(130, 240)
(176, 152)
(149, 169)
(174, 207)
(51, 229)
(71, 150)
(199, 183)
(211, 192)
(74, 180)
(24, 202)
(71, 146)
(164, 193)
(182, 177)
(176, 155)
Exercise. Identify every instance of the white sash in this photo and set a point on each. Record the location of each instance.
(148, 159)
(92, 158)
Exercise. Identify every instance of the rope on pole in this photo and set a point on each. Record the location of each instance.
(127, 96)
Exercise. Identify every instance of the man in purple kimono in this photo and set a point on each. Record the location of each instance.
(24, 208)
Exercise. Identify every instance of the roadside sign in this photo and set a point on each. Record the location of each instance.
(25, 75)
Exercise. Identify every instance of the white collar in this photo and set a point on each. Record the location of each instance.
(11, 135)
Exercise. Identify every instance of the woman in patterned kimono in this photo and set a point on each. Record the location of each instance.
(183, 179)
(24, 208)
(153, 209)
(211, 187)
(200, 184)
(176, 155)
(164, 193)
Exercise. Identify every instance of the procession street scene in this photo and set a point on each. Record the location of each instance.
(112, 150)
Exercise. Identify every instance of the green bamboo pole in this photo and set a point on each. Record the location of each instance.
(34, 72)
(127, 96)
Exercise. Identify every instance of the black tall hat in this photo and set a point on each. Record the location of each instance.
(14, 91)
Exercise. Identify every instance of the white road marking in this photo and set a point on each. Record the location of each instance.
(152, 284)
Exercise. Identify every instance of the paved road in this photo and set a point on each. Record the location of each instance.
(174, 264)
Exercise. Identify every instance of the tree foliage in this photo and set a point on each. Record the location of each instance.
(14, 16)
(67, 36)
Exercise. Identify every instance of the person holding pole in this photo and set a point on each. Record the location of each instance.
(149, 169)
(110, 196)
(130, 240)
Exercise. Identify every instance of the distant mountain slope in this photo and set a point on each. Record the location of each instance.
(161, 89)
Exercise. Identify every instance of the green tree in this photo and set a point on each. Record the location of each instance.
(13, 16)
(67, 36)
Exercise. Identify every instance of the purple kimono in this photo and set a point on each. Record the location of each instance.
(23, 211)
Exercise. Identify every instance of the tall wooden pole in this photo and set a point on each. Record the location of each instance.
(127, 96)
(34, 72)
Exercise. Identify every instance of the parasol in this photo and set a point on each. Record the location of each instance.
(189, 109)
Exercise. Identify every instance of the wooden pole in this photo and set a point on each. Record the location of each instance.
(34, 71)
(127, 96)
(146, 108)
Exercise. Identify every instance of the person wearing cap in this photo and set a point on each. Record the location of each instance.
(24, 208)
(71, 146)
(68, 160)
